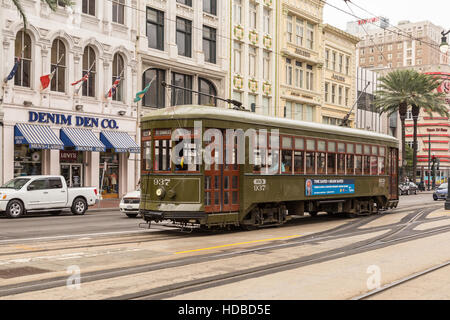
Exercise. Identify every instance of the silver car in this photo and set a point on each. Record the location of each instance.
(440, 192)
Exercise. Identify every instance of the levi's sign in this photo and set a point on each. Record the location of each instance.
(70, 120)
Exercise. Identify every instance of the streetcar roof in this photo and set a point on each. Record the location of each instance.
(207, 112)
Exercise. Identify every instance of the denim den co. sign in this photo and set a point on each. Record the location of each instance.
(70, 120)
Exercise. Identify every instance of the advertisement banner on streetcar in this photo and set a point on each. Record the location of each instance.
(315, 187)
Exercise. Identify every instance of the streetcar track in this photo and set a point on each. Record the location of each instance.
(401, 281)
(107, 274)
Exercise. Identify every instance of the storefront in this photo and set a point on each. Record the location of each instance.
(86, 151)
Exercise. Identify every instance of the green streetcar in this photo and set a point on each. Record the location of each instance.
(306, 168)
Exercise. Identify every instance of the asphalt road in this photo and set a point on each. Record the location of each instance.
(98, 223)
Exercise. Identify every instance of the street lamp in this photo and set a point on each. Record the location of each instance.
(444, 45)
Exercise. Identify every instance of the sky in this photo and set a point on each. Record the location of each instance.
(436, 11)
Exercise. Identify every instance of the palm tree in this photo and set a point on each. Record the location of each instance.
(53, 4)
(400, 89)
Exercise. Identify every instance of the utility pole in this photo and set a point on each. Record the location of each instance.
(429, 159)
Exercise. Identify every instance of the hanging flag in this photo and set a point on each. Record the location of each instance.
(85, 77)
(142, 93)
(45, 80)
(13, 71)
(111, 91)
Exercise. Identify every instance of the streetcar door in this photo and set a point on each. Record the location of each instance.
(393, 173)
(230, 187)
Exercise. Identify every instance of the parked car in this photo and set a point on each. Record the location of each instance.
(44, 193)
(130, 203)
(408, 188)
(440, 192)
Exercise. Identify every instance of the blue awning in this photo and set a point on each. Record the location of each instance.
(81, 139)
(119, 141)
(37, 136)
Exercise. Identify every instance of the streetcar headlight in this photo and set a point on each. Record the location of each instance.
(160, 192)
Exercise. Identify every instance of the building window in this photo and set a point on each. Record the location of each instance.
(184, 37)
(185, 2)
(347, 65)
(288, 110)
(266, 106)
(310, 36)
(181, 97)
(210, 6)
(298, 74)
(252, 102)
(252, 58)
(266, 65)
(88, 7)
(89, 63)
(155, 96)
(309, 78)
(266, 21)
(209, 44)
(298, 111)
(327, 88)
(118, 69)
(118, 11)
(207, 87)
(155, 29)
(58, 82)
(327, 59)
(309, 113)
(289, 28)
(333, 61)
(288, 72)
(23, 73)
(340, 95)
(27, 162)
(333, 93)
(237, 57)
(237, 11)
(347, 96)
(253, 15)
(341, 62)
(299, 32)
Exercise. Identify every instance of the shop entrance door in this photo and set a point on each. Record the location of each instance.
(73, 173)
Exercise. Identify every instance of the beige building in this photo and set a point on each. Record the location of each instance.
(300, 79)
(339, 75)
(406, 45)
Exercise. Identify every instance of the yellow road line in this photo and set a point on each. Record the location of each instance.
(24, 247)
(237, 244)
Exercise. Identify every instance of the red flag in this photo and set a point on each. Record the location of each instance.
(45, 80)
(85, 77)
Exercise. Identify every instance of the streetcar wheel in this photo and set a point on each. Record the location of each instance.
(14, 209)
(313, 214)
(79, 206)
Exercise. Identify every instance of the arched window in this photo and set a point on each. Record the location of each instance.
(89, 64)
(156, 95)
(23, 51)
(58, 55)
(206, 86)
(117, 72)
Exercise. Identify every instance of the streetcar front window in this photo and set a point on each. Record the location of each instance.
(163, 152)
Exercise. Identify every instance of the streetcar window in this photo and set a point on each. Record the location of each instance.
(286, 161)
(375, 150)
(350, 164)
(373, 165)
(358, 149)
(299, 157)
(287, 143)
(163, 151)
(300, 144)
(382, 151)
(350, 148)
(310, 163)
(358, 164)
(381, 165)
(341, 147)
(321, 145)
(341, 163)
(366, 149)
(188, 155)
(331, 163)
(321, 163)
(147, 151)
(331, 146)
(311, 145)
(366, 165)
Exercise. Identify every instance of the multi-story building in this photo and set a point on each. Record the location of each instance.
(183, 43)
(300, 80)
(72, 130)
(253, 54)
(406, 45)
(339, 88)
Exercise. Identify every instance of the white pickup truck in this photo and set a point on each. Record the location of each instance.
(44, 193)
